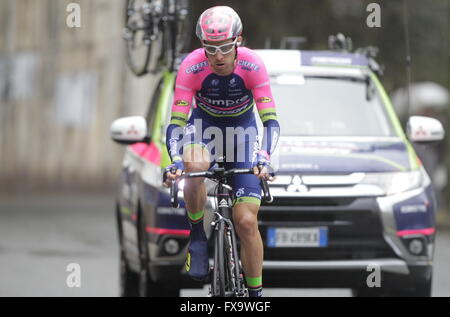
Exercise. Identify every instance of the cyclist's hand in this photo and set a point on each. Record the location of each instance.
(262, 167)
(172, 172)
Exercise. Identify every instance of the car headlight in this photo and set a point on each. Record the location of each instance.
(399, 182)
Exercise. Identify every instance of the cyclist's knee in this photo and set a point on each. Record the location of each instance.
(196, 158)
(246, 221)
(190, 167)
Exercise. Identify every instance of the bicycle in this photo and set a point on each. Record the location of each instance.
(227, 274)
(156, 31)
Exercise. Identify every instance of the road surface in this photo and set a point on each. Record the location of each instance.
(40, 236)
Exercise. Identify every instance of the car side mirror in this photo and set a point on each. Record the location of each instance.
(424, 130)
(129, 130)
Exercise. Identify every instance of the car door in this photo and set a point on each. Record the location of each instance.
(141, 171)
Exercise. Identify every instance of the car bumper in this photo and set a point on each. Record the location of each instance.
(343, 274)
(386, 265)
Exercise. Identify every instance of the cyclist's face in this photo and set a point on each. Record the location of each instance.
(222, 64)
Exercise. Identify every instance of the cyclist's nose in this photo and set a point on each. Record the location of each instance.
(219, 56)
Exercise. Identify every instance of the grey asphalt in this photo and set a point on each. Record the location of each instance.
(40, 236)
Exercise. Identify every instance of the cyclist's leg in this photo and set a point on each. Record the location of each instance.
(196, 158)
(245, 217)
(247, 191)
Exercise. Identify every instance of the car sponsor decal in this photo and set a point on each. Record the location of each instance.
(310, 58)
(149, 152)
(415, 213)
(380, 156)
(413, 162)
(162, 231)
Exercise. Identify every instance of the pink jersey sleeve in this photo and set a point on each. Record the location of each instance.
(259, 83)
(186, 86)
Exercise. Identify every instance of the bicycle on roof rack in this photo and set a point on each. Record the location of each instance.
(156, 31)
(227, 278)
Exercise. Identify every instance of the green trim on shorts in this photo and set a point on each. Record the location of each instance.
(247, 199)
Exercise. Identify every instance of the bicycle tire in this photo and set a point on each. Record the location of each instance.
(218, 282)
(181, 30)
(166, 56)
(184, 26)
(230, 278)
(138, 67)
(175, 33)
(238, 272)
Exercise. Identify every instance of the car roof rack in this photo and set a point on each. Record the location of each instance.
(340, 42)
(344, 44)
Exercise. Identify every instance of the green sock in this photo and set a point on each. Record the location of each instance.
(254, 285)
(197, 230)
(195, 218)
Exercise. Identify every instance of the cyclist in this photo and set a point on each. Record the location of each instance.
(226, 81)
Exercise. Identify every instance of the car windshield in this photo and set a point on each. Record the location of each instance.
(326, 106)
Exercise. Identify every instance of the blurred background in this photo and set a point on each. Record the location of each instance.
(61, 87)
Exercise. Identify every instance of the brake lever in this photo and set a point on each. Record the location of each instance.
(268, 198)
(174, 194)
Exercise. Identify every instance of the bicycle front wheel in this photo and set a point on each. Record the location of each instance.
(218, 281)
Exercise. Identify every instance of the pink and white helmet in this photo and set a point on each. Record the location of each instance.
(218, 24)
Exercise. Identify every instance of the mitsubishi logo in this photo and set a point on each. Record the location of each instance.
(421, 132)
(132, 130)
(297, 185)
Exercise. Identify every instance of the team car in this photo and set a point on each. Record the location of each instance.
(353, 206)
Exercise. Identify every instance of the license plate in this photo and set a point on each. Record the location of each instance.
(297, 237)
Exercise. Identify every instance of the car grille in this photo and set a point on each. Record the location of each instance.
(354, 228)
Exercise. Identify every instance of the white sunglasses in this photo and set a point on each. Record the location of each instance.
(224, 48)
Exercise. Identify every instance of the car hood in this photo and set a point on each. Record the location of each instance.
(342, 155)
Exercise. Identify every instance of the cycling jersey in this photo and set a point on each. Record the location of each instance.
(223, 103)
(226, 101)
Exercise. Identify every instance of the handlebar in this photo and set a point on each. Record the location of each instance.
(217, 175)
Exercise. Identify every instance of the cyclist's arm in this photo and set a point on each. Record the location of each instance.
(180, 110)
(260, 83)
(268, 115)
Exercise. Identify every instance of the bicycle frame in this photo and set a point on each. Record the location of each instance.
(227, 277)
